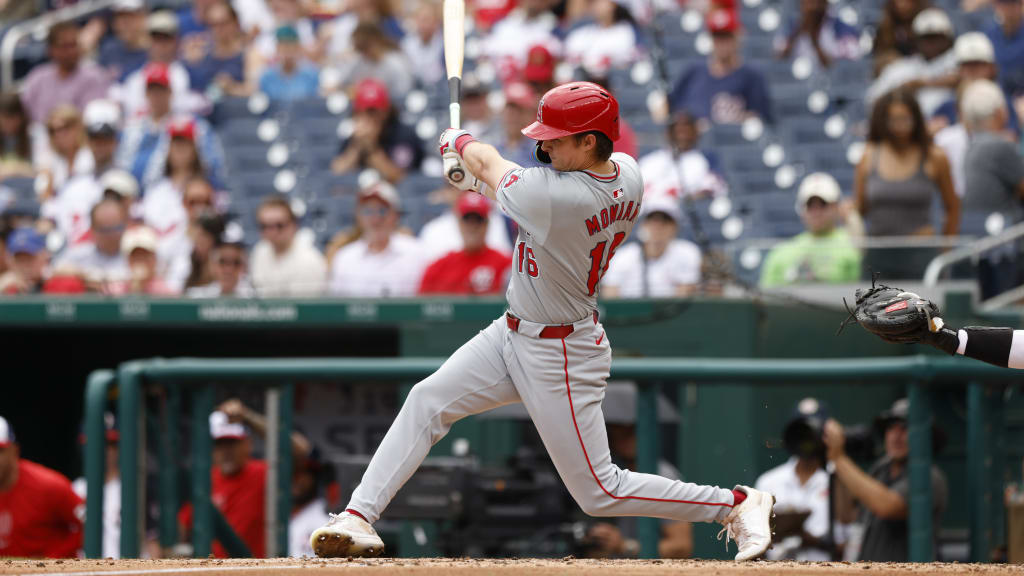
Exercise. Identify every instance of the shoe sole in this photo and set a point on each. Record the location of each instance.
(771, 530)
(335, 545)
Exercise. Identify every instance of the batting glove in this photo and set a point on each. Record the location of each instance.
(456, 173)
(454, 140)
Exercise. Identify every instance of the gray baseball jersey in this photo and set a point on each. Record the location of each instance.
(570, 224)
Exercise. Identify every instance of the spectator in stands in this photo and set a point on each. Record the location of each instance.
(111, 546)
(42, 514)
(901, 173)
(70, 210)
(608, 42)
(423, 46)
(65, 79)
(228, 266)
(617, 537)
(102, 119)
(285, 262)
(176, 217)
(801, 487)
(191, 263)
(722, 90)
(220, 62)
(162, 204)
(520, 110)
(291, 78)
(994, 179)
(27, 258)
(529, 24)
(477, 115)
(824, 252)
(539, 71)
(476, 268)
(194, 23)
(127, 49)
(660, 266)
(284, 13)
(883, 490)
(894, 38)
(139, 246)
(442, 234)
(696, 172)
(1007, 36)
(819, 36)
(100, 261)
(378, 58)
(379, 139)
(15, 145)
(336, 36)
(930, 73)
(68, 155)
(133, 93)
(383, 262)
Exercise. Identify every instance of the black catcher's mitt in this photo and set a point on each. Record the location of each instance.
(901, 317)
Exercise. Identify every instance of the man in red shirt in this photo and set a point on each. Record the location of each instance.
(477, 268)
(40, 515)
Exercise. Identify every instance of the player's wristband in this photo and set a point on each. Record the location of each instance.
(463, 141)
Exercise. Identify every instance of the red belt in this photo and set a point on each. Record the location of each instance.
(557, 332)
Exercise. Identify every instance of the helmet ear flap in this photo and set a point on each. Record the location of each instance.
(540, 155)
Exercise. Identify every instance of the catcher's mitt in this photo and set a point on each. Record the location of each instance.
(901, 317)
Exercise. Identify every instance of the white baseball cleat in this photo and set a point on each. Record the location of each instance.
(749, 524)
(346, 535)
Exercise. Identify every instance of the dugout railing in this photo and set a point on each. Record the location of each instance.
(199, 376)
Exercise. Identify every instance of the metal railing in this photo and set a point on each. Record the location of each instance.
(39, 25)
(918, 371)
(943, 261)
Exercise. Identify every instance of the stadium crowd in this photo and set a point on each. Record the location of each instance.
(138, 156)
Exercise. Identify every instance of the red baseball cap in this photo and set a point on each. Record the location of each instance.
(723, 21)
(182, 128)
(473, 203)
(372, 93)
(520, 94)
(157, 74)
(540, 65)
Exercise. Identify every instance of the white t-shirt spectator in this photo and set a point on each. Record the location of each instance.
(512, 37)
(915, 67)
(300, 271)
(597, 49)
(302, 525)
(70, 208)
(695, 171)
(441, 235)
(163, 211)
(791, 496)
(394, 272)
(95, 266)
(60, 172)
(954, 142)
(426, 58)
(132, 93)
(678, 266)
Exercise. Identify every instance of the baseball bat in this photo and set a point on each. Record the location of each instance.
(454, 51)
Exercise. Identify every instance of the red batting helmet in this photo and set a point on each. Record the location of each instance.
(575, 108)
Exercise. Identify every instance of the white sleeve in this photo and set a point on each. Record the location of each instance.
(620, 266)
(525, 195)
(686, 264)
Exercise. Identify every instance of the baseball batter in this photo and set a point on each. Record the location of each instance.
(549, 351)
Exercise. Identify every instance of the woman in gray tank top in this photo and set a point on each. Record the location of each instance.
(902, 172)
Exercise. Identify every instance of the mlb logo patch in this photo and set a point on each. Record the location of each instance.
(618, 193)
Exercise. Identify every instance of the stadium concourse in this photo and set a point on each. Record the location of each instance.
(480, 567)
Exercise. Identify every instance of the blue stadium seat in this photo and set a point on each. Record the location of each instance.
(804, 130)
(23, 187)
(240, 131)
(632, 99)
(774, 214)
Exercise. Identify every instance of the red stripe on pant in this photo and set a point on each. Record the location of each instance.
(568, 390)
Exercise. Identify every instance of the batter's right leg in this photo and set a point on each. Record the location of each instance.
(473, 380)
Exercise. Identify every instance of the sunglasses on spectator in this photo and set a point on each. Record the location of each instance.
(198, 202)
(279, 225)
(233, 262)
(110, 229)
(60, 127)
(473, 218)
(370, 212)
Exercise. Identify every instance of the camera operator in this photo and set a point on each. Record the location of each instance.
(883, 490)
(801, 489)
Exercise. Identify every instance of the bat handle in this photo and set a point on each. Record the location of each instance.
(454, 99)
(454, 171)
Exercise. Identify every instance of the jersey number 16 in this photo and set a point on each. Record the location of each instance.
(598, 263)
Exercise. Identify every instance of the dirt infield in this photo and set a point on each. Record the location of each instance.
(417, 567)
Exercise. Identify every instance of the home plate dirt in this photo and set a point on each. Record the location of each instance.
(438, 566)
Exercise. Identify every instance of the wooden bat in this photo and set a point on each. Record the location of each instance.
(454, 50)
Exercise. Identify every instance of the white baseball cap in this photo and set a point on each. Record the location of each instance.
(120, 181)
(817, 185)
(6, 434)
(102, 116)
(980, 101)
(165, 22)
(382, 191)
(221, 427)
(139, 237)
(932, 21)
(663, 203)
(973, 47)
(128, 6)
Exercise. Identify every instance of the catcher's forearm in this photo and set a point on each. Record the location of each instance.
(1002, 347)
